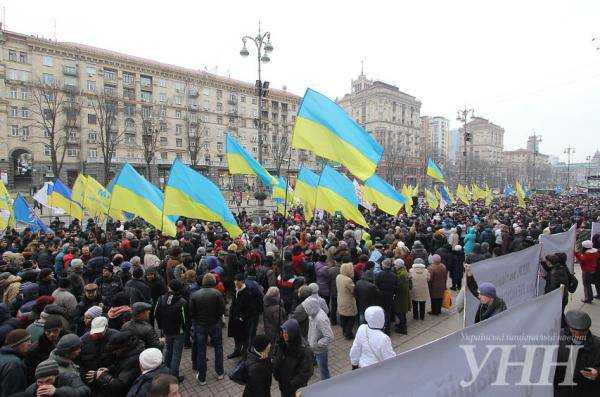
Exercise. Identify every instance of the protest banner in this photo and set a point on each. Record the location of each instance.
(514, 276)
(511, 354)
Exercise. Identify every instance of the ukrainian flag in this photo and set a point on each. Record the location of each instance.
(325, 129)
(520, 194)
(95, 198)
(431, 200)
(306, 190)
(6, 211)
(379, 192)
(279, 191)
(408, 193)
(188, 193)
(336, 193)
(446, 195)
(241, 162)
(59, 196)
(434, 171)
(488, 196)
(132, 193)
(463, 194)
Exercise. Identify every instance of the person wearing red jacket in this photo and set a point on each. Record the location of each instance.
(589, 264)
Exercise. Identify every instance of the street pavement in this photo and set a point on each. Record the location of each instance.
(419, 333)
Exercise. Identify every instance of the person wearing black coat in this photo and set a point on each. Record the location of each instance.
(40, 350)
(387, 283)
(557, 274)
(293, 360)
(90, 298)
(456, 267)
(367, 294)
(94, 353)
(45, 281)
(137, 288)
(66, 384)
(93, 268)
(7, 322)
(242, 309)
(259, 368)
(108, 285)
(117, 379)
(141, 386)
(157, 288)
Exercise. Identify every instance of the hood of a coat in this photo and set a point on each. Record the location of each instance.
(419, 267)
(375, 317)
(31, 291)
(4, 312)
(347, 270)
(12, 279)
(311, 306)
(292, 328)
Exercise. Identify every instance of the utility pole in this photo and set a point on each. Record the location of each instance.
(569, 151)
(464, 116)
(536, 139)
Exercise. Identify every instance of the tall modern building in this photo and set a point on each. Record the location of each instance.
(392, 116)
(436, 135)
(454, 146)
(73, 102)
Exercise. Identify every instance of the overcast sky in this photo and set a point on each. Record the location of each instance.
(525, 65)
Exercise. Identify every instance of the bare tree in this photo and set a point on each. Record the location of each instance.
(278, 149)
(105, 108)
(55, 112)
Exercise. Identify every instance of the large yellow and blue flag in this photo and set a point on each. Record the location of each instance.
(463, 194)
(431, 199)
(434, 171)
(279, 191)
(407, 192)
(336, 193)
(24, 214)
(6, 212)
(132, 193)
(59, 196)
(325, 129)
(520, 194)
(189, 193)
(95, 198)
(306, 190)
(241, 162)
(379, 192)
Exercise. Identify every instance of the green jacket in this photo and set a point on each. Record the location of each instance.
(402, 296)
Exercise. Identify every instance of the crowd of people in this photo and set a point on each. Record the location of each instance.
(91, 310)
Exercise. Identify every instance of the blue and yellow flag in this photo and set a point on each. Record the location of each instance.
(95, 198)
(306, 190)
(434, 171)
(6, 212)
(59, 196)
(379, 192)
(325, 129)
(336, 193)
(241, 162)
(407, 192)
(463, 194)
(520, 194)
(431, 199)
(188, 193)
(446, 196)
(132, 193)
(280, 193)
(24, 214)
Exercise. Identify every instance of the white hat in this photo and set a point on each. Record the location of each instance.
(587, 244)
(151, 358)
(99, 325)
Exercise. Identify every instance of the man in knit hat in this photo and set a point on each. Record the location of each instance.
(66, 351)
(140, 327)
(151, 365)
(13, 372)
(490, 304)
(89, 316)
(50, 382)
(41, 349)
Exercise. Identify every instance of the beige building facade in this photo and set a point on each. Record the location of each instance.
(527, 165)
(484, 152)
(436, 136)
(393, 118)
(188, 113)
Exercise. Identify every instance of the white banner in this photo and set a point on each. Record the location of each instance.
(41, 196)
(595, 229)
(560, 242)
(477, 361)
(514, 276)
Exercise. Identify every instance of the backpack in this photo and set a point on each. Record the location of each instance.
(573, 283)
(239, 374)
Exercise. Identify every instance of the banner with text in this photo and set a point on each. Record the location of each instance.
(509, 355)
(560, 242)
(514, 276)
(595, 229)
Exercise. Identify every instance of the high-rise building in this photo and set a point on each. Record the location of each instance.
(436, 135)
(484, 151)
(392, 116)
(75, 103)
(454, 146)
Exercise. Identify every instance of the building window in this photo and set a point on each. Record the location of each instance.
(110, 75)
(47, 150)
(128, 78)
(129, 124)
(146, 96)
(219, 107)
(92, 119)
(178, 129)
(130, 139)
(162, 97)
(72, 152)
(219, 145)
(179, 142)
(164, 155)
(243, 98)
(23, 57)
(12, 55)
(92, 136)
(90, 70)
(178, 87)
(163, 141)
(91, 85)
(25, 113)
(177, 100)
(163, 112)
(162, 82)
(206, 91)
(14, 130)
(13, 93)
(110, 90)
(146, 112)
(146, 80)
(24, 94)
(129, 110)
(129, 93)
(93, 153)
(48, 78)
(219, 94)
(46, 60)
(219, 120)
(178, 114)
(163, 126)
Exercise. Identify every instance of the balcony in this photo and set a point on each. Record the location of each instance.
(232, 112)
(193, 107)
(232, 101)
(71, 89)
(193, 93)
(70, 71)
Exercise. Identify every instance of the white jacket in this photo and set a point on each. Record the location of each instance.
(371, 345)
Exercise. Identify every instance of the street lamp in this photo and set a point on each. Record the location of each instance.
(464, 116)
(569, 151)
(262, 41)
